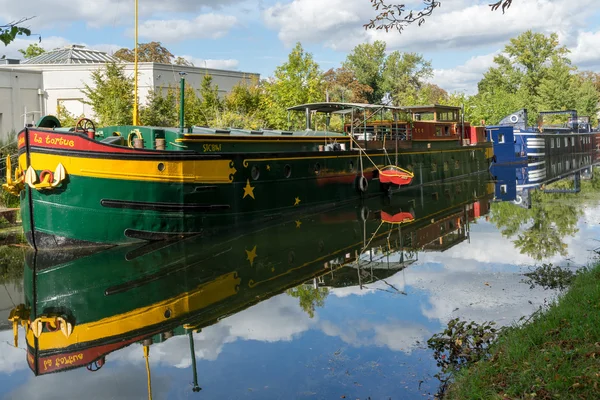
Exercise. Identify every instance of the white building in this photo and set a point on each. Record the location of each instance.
(39, 85)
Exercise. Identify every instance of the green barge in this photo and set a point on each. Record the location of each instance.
(88, 186)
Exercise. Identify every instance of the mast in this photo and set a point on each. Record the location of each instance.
(135, 68)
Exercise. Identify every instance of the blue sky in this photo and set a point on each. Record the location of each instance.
(460, 39)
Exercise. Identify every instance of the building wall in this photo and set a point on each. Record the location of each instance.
(62, 83)
(18, 93)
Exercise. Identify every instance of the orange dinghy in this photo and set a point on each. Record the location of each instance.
(395, 175)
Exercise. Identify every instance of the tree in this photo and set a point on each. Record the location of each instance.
(309, 297)
(367, 62)
(65, 117)
(210, 104)
(242, 106)
(396, 16)
(33, 50)
(111, 95)
(148, 52)
(403, 76)
(297, 81)
(183, 61)
(341, 85)
(160, 110)
(10, 31)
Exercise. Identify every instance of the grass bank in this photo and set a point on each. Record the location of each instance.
(555, 355)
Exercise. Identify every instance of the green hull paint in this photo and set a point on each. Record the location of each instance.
(74, 214)
(88, 288)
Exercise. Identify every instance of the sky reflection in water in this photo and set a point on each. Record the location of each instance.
(364, 341)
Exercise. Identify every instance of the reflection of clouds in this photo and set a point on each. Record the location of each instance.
(277, 319)
(12, 359)
(395, 335)
(128, 383)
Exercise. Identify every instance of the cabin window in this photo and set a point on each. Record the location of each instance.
(566, 142)
(447, 130)
(551, 143)
(434, 196)
(438, 131)
(558, 143)
(456, 164)
(502, 189)
(446, 166)
(351, 166)
(433, 167)
(287, 170)
(572, 141)
(317, 169)
(500, 138)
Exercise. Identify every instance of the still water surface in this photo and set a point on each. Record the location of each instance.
(327, 306)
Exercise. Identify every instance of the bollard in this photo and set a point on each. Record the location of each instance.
(160, 144)
(138, 143)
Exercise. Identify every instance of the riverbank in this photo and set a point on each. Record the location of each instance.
(555, 355)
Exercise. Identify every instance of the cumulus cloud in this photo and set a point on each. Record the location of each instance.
(100, 12)
(464, 78)
(460, 24)
(230, 63)
(204, 26)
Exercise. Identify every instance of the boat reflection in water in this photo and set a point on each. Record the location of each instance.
(80, 307)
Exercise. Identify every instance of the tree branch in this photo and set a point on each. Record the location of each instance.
(396, 16)
(11, 30)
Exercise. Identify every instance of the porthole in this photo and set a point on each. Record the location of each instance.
(287, 171)
(161, 167)
(168, 313)
(255, 173)
(317, 169)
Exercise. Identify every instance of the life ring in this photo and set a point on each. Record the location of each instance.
(45, 173)
(50, 328)
(135, 133)
(363, 184)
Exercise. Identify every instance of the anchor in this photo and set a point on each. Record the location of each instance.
(19, 314)
(48, 180)
(13, 186)
(52, 323)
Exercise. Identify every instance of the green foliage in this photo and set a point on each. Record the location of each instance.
(10, 31)
(555, 355)
(403, 77)
(540, 231)
(309, 297)
(461, 345)
(148, 52)
(551, 276)
(11, 267)
(241, 108)
(297, 81)
(111, 95)
(209, 104)
(533, 72)
(65, 117)
(33, 50)
(342, 85)
(367, 62)
(160, 110)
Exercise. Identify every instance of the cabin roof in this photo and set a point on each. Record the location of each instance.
(339, 108)
(431, 107)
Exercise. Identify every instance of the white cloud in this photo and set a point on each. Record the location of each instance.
(586, 53)
(464, 78)
(204, 26)
(230, 64)
(98, 13)
(12, 359)
(338, 24)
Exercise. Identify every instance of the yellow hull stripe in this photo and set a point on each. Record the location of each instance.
(193, 171)
(203, 296)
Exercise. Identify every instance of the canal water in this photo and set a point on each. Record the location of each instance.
(335, 305)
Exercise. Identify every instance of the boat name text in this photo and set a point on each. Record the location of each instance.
(58, 361)
(60, 141)
(211, 147)
(21, 141)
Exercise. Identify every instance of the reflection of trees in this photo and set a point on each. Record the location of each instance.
(540, 230)
(309, 297)
(11, 265)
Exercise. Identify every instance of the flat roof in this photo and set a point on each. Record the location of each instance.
(431, 107)
(340, 108)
